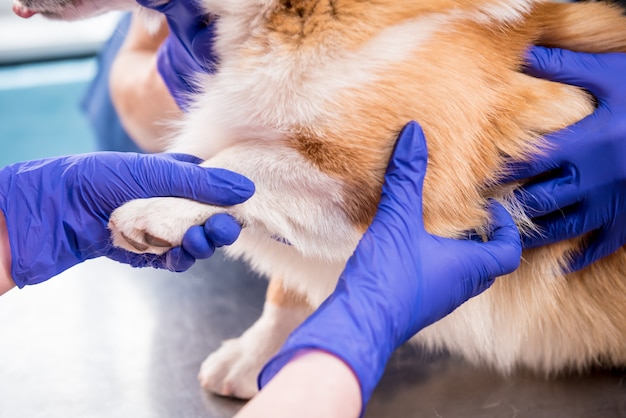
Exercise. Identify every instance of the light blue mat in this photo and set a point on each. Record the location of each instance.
(40, 112)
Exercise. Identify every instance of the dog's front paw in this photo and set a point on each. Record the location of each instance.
(155, 225)
(232, 370)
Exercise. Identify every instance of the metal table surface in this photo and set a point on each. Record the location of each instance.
(105, 340)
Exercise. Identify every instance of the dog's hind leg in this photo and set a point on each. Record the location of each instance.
(232, 370)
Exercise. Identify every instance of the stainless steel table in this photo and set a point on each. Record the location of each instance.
(105, 340)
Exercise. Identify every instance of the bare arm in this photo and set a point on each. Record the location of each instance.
(142, 101)
(315, 384)
(6, 282)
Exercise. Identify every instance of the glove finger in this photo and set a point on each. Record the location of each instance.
(176, 259)
(154, 4)
(158, 176)
(600, 244)
(521, 170)
(174, 70)
(539, 199)
(184, 158)
(569, 67)
(183, 16)
(402, 190)
(222, 229)
(196, 243)
(567, 223)
(202, 48)
(556, 151)
(215, 187)
(549, 159)
(558, 146)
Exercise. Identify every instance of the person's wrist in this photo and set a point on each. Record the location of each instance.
(6, 259)
(328, 380)
(339, 328)
(6, 280)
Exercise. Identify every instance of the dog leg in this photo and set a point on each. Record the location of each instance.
(232, 370)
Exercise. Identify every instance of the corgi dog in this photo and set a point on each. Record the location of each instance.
(308, 100)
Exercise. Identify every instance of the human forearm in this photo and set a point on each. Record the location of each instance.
(138, 93)
(6, 282)
(315, 384)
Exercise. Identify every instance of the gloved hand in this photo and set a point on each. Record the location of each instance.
(187, 51)
(582, 187)
(57, 210)
(400, 278)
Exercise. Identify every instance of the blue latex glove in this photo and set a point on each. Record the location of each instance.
(400, 278)
(219, 230)
(582, 187)
(57, 210)
(187, 51)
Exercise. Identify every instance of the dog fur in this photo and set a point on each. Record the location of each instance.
(308, 100)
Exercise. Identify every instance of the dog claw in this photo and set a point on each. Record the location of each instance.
(135, 244)
(156, 242)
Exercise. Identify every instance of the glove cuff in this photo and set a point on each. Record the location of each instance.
(37, 253)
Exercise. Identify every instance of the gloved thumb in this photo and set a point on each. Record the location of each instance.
(159, 176)
(501, 254)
